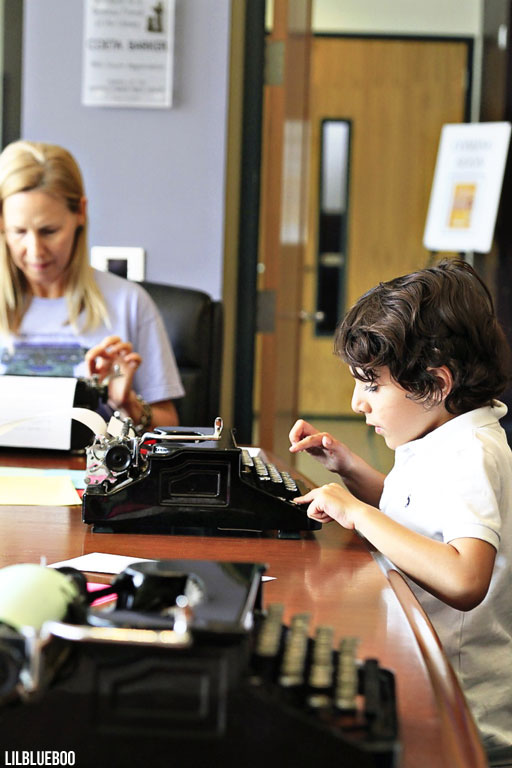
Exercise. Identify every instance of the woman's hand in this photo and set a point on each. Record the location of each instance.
(114, 358)
(334, 455)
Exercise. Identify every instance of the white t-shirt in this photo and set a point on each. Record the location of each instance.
(457, 482)
(48, 345)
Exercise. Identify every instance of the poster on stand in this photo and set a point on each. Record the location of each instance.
(467, 187)
(128, 52)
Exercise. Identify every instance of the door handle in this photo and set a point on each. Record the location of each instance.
(311, 317)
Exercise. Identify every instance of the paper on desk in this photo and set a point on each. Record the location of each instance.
(36, 407)
(38, 491)
(39, 411)
(99, 562)
(77, 476)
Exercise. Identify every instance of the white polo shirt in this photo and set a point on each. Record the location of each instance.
(456, 482)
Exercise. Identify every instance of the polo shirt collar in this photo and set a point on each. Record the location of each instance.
(454, 428)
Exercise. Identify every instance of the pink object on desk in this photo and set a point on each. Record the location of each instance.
(93, 586)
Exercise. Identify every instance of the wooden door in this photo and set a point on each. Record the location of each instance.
(396, 94)
(282, 221)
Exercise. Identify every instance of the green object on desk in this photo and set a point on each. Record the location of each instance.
(32, 594)
(76, 475)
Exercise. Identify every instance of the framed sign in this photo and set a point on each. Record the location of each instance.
(467, 186)
(128, 53)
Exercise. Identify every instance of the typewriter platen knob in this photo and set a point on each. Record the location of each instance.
(118, 458)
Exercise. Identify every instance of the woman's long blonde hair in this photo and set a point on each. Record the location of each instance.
(25, 166)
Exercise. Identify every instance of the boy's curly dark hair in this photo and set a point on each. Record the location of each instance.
(442, 315)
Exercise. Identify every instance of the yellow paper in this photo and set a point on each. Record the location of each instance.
(462, 205)
(38, 491)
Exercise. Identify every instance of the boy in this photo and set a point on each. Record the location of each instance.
(428, 359)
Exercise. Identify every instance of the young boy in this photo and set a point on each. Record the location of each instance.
(428, 359)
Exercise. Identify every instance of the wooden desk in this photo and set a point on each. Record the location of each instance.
(333, 576)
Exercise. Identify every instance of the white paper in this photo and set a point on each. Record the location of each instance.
(91, 419)
(128, 53)
(99, 562)
(467, 187)
(35, 411)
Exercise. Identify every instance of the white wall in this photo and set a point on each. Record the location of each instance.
(154, 178)
(433, 17)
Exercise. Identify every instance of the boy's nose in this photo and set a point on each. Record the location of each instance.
(359, 402)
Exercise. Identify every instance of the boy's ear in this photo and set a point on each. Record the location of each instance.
(444, 378)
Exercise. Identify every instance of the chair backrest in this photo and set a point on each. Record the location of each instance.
(194, 324)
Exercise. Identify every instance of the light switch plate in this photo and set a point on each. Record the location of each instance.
(127, 262)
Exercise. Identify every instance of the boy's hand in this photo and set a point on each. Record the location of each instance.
(331, 502)
(334, 455)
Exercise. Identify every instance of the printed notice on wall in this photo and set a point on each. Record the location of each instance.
(128, 53)
(467, 187)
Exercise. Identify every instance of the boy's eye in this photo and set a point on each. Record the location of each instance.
(371, 387)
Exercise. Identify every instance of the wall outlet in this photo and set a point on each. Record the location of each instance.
(126, 262)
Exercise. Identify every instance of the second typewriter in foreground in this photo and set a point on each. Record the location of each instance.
(184, 480)
(184, 669)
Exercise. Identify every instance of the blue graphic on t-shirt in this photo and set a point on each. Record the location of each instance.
(33, 359)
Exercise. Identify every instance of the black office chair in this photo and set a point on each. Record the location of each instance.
(194, 323)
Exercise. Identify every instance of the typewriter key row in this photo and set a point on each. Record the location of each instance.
(267, 476)
(327, 677)
(326, 688)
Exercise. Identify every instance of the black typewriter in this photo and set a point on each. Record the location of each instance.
(188, 480)
(186, 667)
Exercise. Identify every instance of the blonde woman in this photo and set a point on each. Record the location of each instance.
(51, 299)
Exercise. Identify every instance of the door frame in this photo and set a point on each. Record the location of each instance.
(12, 51)
(276, 81)
(249, 234)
